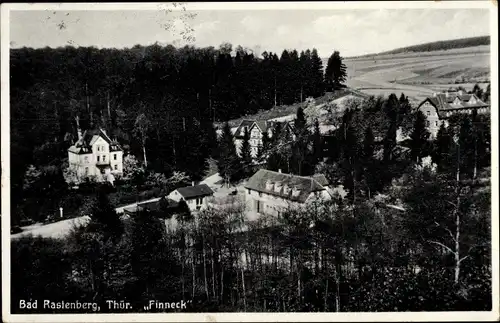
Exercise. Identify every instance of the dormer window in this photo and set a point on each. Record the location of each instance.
(286, 189)
(277, 187)
(295, 192)
(269, 185)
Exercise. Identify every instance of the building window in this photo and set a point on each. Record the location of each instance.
(86, 170)
(103, 158)
(437, 123)
(428, 113)
(98, 148)
(98, 157)
(427, 123)
(86, 158)
(199, 201)
(248, 190)
(114, 156)
(116, 167)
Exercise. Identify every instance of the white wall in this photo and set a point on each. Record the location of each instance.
(176, 196)
(430, 113)
(116, 165)
(101, 149)
(272, 203)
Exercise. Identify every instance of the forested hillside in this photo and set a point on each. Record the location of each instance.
(439, 45)
(173, 94)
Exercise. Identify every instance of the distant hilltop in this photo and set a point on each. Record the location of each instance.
(436, 46)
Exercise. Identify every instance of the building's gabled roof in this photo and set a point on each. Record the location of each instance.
(306, 185)
(240, 131)
(321, 179)
(261, 124)
(443, 102)
(190, 192)
(153, 206)
(89, 137)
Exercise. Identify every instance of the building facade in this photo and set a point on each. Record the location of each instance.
(195, 196)
(256, 129)
(272, 193)
(95, 155)
(439, 107)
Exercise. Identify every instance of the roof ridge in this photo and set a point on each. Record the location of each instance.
(292, 175)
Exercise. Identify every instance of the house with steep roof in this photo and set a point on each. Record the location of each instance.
(195, 196)
(95, 155)
(256, 129)
(272, 193)
(440, 106)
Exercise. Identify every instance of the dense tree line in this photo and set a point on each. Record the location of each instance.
(429, 252)
(159, 102)
(440, 45)
(333, 256)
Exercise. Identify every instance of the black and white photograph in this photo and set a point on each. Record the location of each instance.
(281, 161)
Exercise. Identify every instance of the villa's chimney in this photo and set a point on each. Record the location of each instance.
(192, 183)
(78, 129)
(279, 170)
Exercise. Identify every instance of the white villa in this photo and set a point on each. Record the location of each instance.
(95, 154)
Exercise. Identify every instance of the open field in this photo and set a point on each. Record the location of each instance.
(419, 74)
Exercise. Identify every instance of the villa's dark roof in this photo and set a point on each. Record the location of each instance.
(240, 131)
(89, 137)
(306, 185)
(454, 101)
(190, 192)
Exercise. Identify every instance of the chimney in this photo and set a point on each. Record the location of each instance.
(78, 129)
(192, 183)
(279, 170)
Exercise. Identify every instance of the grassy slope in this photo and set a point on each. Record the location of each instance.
(285, 110)
(419, 74)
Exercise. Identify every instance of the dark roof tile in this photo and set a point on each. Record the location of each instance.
(190, 192)
(306, 185)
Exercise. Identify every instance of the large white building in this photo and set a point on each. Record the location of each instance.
(95, 155)
(441, 106)
(273, 193)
